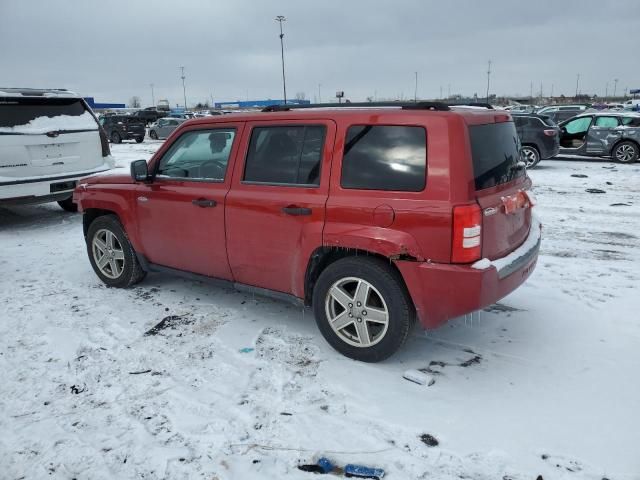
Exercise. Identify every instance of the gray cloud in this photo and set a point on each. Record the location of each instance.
(113, 50)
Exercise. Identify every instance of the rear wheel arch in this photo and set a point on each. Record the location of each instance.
(322, 257)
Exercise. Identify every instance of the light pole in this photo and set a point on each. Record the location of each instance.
(577, 83)
(184, 89)
(153, 98)
(319, 96)
(488, 79)
(615, 87)
(415, 91)
(280, 19)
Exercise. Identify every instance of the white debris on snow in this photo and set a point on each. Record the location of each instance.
(542, 385)
(416, 376)
(40, 125)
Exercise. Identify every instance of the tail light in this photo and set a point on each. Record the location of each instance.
(104, 143)
(467, 234)
(550, 132)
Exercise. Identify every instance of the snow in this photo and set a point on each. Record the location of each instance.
(532, 240)
(543, 383)
(41, 125)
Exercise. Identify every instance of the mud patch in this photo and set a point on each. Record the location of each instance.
(501, 307)
(171, 322)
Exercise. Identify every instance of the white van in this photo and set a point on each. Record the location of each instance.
(49, 139)
(633, 104)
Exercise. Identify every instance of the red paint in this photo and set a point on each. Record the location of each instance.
(248, 238)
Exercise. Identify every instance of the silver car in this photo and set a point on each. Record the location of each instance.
(163, 127)
(602, 134)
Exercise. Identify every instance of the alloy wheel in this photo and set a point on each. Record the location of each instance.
(107, 253)
(624, 153)
(357, 312)
(530, 156)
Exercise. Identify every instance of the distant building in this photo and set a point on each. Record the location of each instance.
(102, 106)
(258, 103)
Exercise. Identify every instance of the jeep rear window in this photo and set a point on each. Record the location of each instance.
(385, 157)
(495, 149)
(20, 111)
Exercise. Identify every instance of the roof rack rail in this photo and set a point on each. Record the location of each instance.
(439, 106)
(472, 104)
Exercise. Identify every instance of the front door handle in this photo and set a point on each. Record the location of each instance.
(203, 202)
(293, 210)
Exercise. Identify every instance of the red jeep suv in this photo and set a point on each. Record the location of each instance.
(373, 214)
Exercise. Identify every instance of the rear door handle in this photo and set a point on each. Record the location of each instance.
(203, 202)
(293, 210)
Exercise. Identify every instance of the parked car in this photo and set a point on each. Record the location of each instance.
(560, 113)
(332, 207)
(633, 104)
(48, 140)
(520, 108)
(123, 127)
(148, 115)
(539, 136)
(164, 127)
(602, 134)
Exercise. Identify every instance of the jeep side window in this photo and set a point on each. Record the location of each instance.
(290, 155)
(198, 155)
(631, 121)
(385, 157)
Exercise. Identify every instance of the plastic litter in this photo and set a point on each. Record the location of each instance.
(360, 471)
(416, 376)
(246, 350)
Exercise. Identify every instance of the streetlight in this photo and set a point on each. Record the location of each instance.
(319, 96)
(184, 90)
(488, 79)
(415, 92)
(577, 83)
(615, 87)
(153, 99)
(280, 19)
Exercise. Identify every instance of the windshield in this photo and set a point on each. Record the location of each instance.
(21, 111)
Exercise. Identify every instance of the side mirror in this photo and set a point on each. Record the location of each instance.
(139, 171)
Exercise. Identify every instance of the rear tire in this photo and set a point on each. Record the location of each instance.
(115, 137)
(111, 254)
(530, 156)
(153, 135)
(625, 152)
(139, 139)
(68, 205)
(360, 294)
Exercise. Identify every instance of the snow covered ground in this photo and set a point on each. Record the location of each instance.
(543, 383)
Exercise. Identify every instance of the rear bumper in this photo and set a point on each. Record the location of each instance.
(443, 291)
(44, 189)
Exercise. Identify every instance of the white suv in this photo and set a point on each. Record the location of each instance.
(48, 140)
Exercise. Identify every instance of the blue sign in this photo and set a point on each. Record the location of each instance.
(259, 103)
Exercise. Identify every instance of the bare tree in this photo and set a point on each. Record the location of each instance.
(300, 96)
(135, 102)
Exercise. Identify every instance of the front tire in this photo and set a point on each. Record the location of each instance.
(625, 152)
(530, 156)
(111, 254)
(153, 135)
(68, 205)
(362, 308)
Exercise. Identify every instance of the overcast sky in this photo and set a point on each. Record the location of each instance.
(230, 49)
